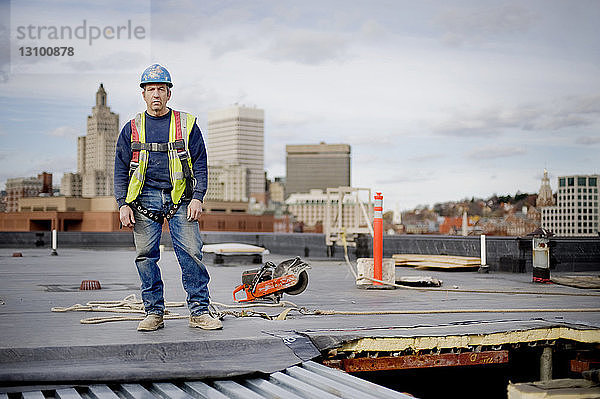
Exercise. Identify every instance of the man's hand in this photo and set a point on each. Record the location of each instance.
(126, 216)
(194, 209)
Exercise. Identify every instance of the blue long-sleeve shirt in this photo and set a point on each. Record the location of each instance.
(157, 172)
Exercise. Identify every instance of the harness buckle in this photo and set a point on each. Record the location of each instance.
(132, 167)
(179, 144)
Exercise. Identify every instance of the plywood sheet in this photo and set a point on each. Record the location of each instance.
(436, 261)
(578, 281)
(234, 248)
(445, 266)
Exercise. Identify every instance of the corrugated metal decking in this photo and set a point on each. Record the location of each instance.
(309, 380)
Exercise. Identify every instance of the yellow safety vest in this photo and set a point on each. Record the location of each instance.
(177, 149)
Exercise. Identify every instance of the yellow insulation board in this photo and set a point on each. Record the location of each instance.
(392, 344)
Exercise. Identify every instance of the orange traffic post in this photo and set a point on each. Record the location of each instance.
(378, 239)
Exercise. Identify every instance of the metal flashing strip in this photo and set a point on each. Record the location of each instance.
(308, 380)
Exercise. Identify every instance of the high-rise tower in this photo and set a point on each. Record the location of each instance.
(235, 137)
(577, 207)
(96, 150)
(316, 166)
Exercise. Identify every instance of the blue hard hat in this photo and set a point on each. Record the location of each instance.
(156, 74)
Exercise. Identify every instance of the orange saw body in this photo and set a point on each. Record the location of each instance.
(270, 281)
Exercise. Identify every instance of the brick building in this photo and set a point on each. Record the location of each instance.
(100, 214)
(22, 187)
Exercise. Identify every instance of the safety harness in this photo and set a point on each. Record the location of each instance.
(179, 147)
(157, 216)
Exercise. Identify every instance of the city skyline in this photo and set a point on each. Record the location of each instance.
(438, 101)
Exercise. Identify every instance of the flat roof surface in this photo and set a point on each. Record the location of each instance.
(38, 345)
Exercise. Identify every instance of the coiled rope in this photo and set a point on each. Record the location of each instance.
(130, 304)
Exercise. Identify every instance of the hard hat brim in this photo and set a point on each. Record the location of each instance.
(169, 84)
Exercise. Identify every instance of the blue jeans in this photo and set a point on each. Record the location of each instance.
(188, 249)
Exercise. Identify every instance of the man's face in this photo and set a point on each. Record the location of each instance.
(156, 96)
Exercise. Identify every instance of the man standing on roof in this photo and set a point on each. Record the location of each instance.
(161, 173)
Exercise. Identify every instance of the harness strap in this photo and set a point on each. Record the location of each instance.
(180, 124)
(172, 210)
(178, 135)
(158, 147)
(157, 216)
(135, 138)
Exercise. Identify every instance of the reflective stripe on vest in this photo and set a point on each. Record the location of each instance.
(180, 122)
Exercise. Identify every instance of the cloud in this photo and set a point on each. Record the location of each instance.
(288, 118)
(426, 157)
(409, 176)
(224, 45)
(587, 140)
(308, 47)
(462, 26)
(64, 131)
(492, 152)
(371, 29)
(257, 33)
(201, 20)
(475, 125)
(366, 138)
(568, 112)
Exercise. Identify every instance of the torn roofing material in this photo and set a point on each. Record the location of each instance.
(452, 335)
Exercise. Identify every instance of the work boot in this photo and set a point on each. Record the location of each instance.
(206, 322)
(152, 322)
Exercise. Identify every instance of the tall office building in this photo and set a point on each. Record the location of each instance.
(576, 210)
(96, 150)
(235, 136)
(316, 166)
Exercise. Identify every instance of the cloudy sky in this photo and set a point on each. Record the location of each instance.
(440, 100)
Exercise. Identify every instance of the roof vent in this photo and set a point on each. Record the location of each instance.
(90, 285)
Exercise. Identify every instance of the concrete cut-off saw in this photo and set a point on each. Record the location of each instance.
(271, 281)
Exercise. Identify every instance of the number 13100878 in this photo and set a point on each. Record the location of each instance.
(46, 51)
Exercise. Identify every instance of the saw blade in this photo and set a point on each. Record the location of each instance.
(300, 286)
